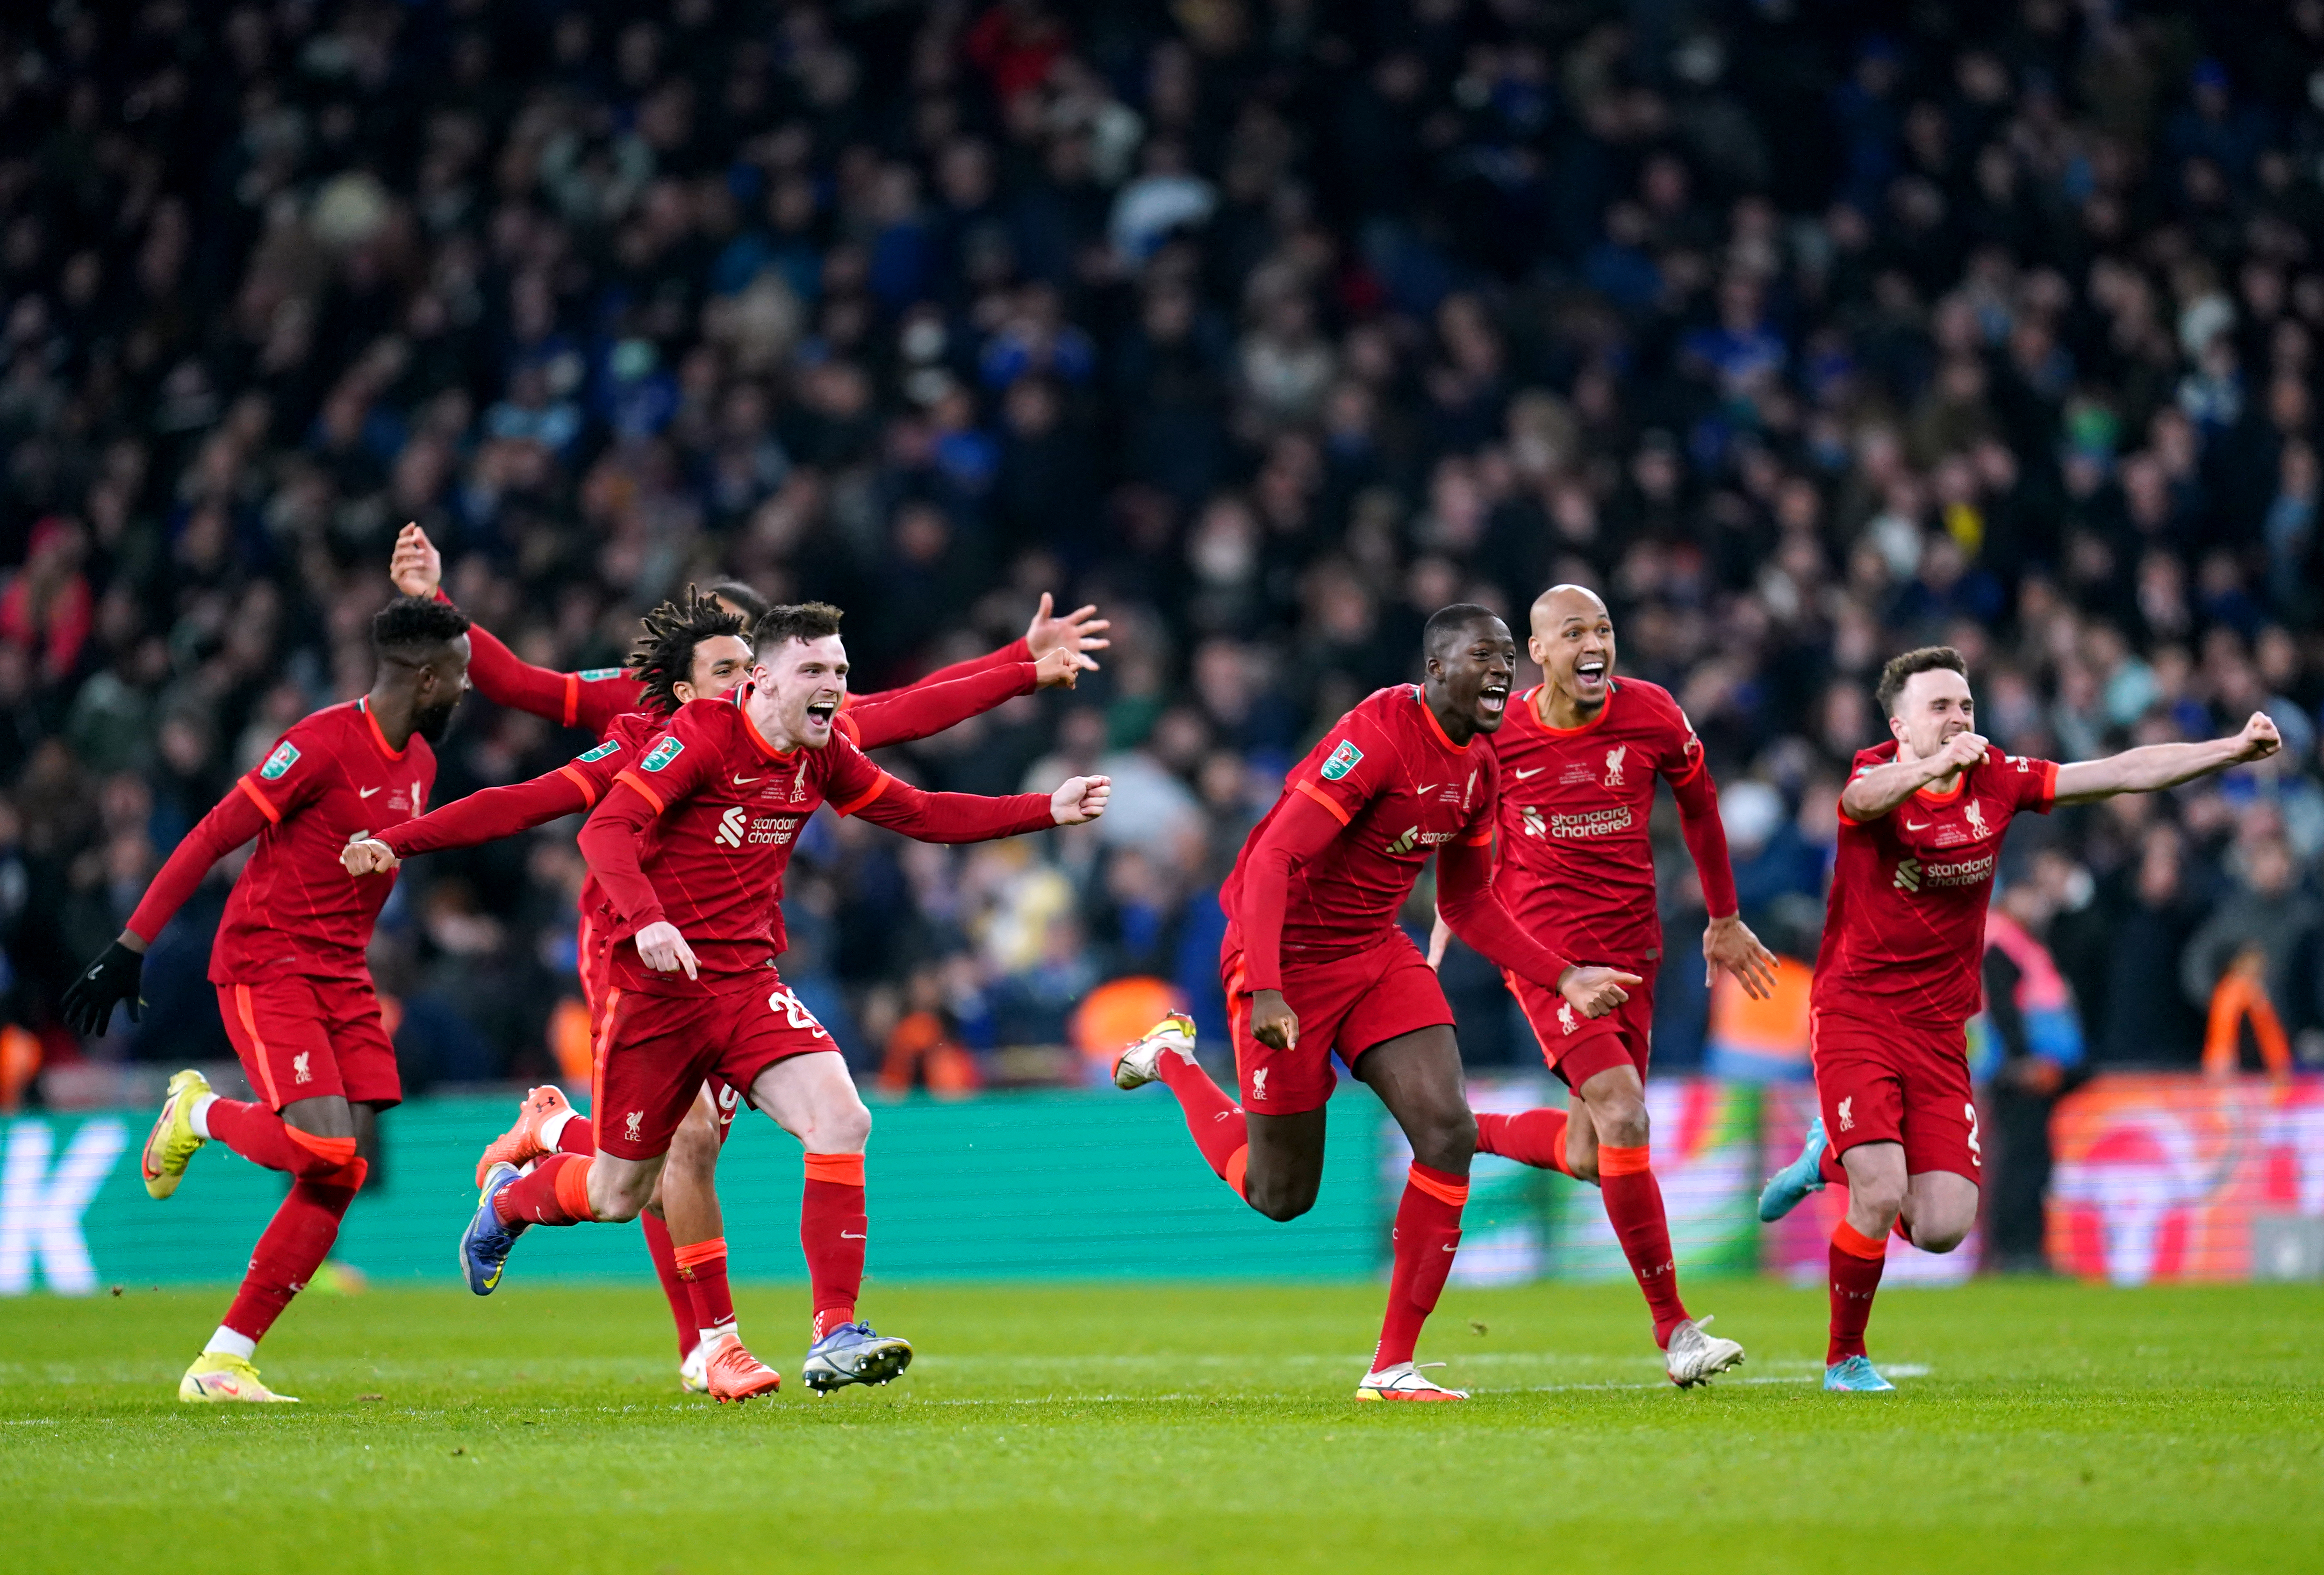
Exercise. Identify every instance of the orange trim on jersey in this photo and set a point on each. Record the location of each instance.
(846, 1169)
(572, 697)
(378, 737)
(1690, 773)
(696, 1252)
(600, 1045)
(1322, 798)
(1533, 708)
(2049, 784)
(1455, 1194)
(1484, 841)
(1436, 727)
(1930, 796)
(573, 1187)
(1850, 1240)
(273, 816)
(636, 784)
(870, 793)
(242, 1009)
(741, 692)
(588, 793)
(1624, 1162)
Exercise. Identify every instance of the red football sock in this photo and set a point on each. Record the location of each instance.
(1856, 1260)
(1215, 1120)
(554, 1192)
(703, 1265)
(832, 1227)
(1427, 1232)
(665, 1261)
(577, 1135)
(296, 1241)
(1530, 1137)
(1634, 1203)
(263, 1138)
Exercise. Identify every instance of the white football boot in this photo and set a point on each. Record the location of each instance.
(1139, 1064)
(1404, 1381)
(1693, 1357)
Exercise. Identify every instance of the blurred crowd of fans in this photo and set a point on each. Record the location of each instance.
(1804, 329)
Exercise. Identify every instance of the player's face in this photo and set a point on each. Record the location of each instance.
(1471, 679)
(720, 662)
(442, 682)
(806, 680)
(1932, 709)
(1573, 642)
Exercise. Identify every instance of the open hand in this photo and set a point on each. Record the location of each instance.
(417, 568)
(1729, 943)
(1078, 631)
(368, 855)
(1080, 800)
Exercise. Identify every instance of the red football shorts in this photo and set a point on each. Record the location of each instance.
(1350, 1004)
(594, 963)
(1579, 1048)
(303, 1038)
(1897, 1082)
(655, 1051)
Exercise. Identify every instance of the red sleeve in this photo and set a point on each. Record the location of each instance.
(1305, 825)
(1476, 914)
(2035, 782)
(237, 818)
(589, 701)
(1706, 839)
(609, 842)
(497, 811)
(1009, 655)
(928, 816)
(899, 715)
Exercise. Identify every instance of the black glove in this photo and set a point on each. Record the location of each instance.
(102, 985)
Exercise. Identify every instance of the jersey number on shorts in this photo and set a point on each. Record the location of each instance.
(1976, 1154)
(792, 1007)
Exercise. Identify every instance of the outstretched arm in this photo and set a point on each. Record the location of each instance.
(237, 819)
(972, 818)
(482, 816)
(2157, 767)
(1474, 911)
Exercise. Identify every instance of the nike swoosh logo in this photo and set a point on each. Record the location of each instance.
(366, 793)
(1918, 824)
(849, 1236)
(1536, 771)
(744, 781)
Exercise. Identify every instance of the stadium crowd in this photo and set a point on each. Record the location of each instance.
(1804, 330)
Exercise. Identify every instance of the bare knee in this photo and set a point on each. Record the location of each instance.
(616, 1199)
(1444, 1140)
(1280, 1199)
(694, 1150)
(1941, 1238)
(1620, 1120)
(842, 1127)
(1877, 1195)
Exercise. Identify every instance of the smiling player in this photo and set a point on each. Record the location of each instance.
(1578, 759)
(1313, 962)
(689, 848)
(1921, 825)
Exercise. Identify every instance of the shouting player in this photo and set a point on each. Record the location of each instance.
(1921, 825)
(1314, 961)
(289, 966)
(689, 847)
(688, 650)
(1580, 756)
(635, 702)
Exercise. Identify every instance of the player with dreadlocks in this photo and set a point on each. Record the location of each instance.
(689, 649)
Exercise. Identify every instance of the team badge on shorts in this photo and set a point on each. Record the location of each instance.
(1342, 760)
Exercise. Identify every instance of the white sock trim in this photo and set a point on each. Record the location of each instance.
(226, 1342)
(708, 1338)
(554, 1128)
(199, 1116)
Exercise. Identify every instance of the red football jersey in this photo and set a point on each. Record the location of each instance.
(331, 779)
(728, 810)
(1576, 862)
(1400, 788)
(1903, 931)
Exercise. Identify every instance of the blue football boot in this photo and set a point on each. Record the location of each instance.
(485, 1245)
(1794, 1182)
(1856, 1375)
(854, 1353)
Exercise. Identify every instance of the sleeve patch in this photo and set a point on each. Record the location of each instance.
(609, 746)
(599, 674)
(285, 756)
(668, 750)
(1342, 761)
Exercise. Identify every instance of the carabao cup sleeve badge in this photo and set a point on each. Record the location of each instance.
(663, 753)
(1342, 761)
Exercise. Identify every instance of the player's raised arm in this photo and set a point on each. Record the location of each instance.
(1076, 635)
(899, 715)
(491, 813)
(2157, 767)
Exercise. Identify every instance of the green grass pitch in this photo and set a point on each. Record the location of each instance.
(2043, 1427)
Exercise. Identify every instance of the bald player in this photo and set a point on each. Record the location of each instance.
(1578, 759)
